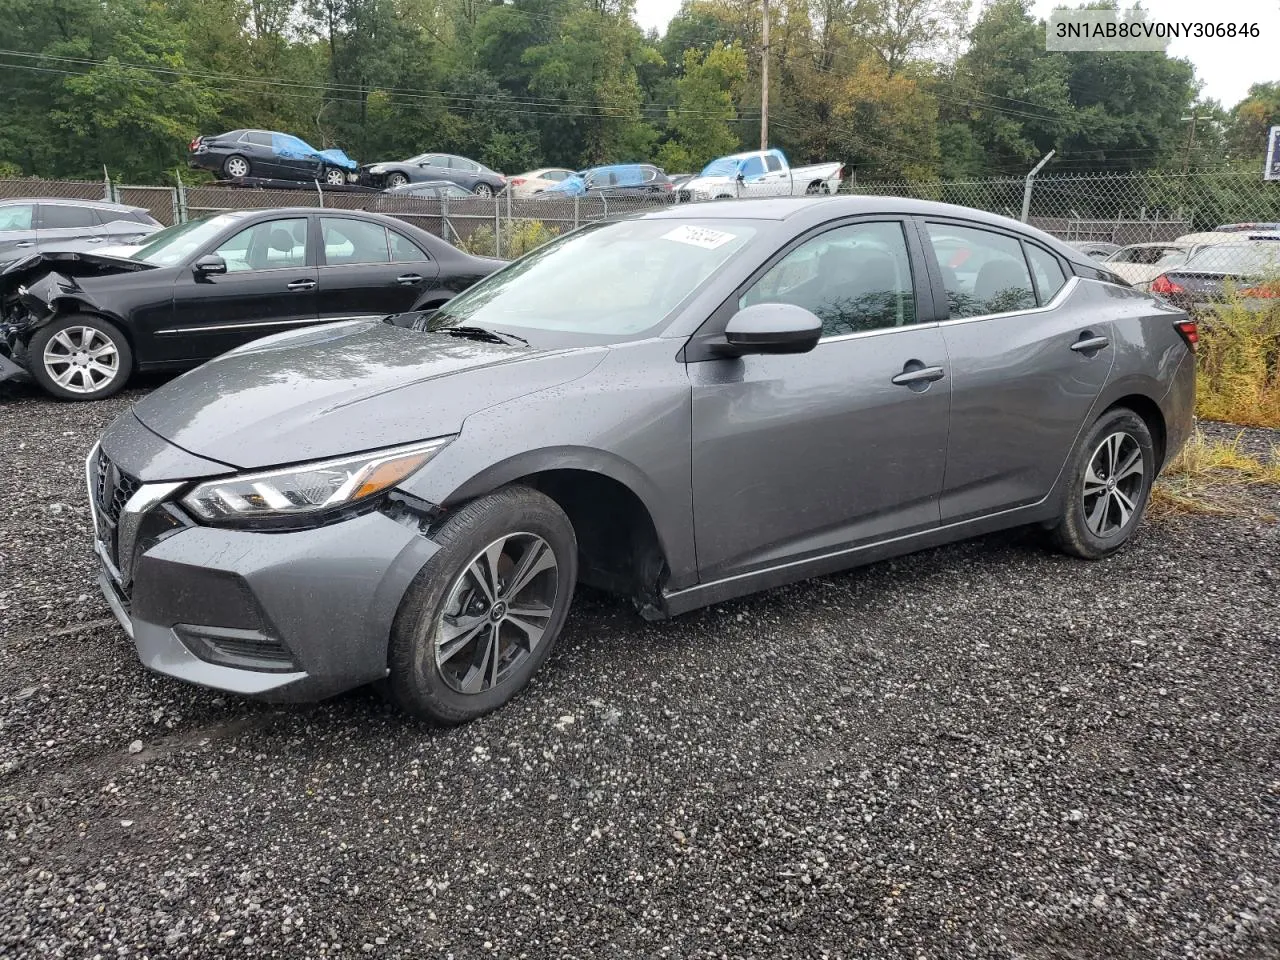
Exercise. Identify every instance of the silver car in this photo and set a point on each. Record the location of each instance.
(681, 407)
(43, 224)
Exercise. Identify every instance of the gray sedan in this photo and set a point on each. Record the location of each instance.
(35, 225)
(681, 407)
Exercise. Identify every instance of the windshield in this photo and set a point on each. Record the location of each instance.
(605, 282)
(174, 244)
(724, 167)
(1239, 258)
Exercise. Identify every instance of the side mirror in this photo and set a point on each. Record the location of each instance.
(741, 175)
(208, 265)
(771, 328)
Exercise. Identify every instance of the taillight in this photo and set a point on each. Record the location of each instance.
(1162, 284)
(668, 186)
(1267, 291)
(516, 181)
(1190, 333)
(193, 144)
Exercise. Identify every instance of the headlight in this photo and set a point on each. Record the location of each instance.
(308, 487)
(377, 169)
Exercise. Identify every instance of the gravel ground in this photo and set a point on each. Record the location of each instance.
(1260, 443)
(985, 750)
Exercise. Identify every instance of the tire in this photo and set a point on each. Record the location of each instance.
(817, 188)
(93, 348)
(397, 180)
(441, 655)
(236, 167)
(1108, 486)
(334, 177)
(483, 190)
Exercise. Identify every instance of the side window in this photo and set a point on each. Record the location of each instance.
(1048, 272)
(556, 175)
(854, 278)
(982, 272)
(353, 241)
(257, 137)
(16, 217)
(773, 163)
(271, 245)
(58, 216)
(435, 160)
(753, 167)
(404, 250)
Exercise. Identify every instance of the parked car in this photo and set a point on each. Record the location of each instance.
(1249, 267)
(34, 224)
(1095, 249)
(761, 173)
(430, 189)
(270, 154)
(82, 323)
(1248, 228)
(468, 174)
(615, 180)
(1140, 263)
(658, 405)
(535, 181)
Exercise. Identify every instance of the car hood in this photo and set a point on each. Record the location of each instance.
(338, 159)
(706, 183)
(345, 388)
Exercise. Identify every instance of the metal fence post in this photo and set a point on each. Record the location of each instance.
(320, 193)
(575, 212)
(106, 184)
(182, 201)
(1026, 190)
(497, 227)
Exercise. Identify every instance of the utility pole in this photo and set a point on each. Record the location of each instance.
(1191, 140)
(764, 79)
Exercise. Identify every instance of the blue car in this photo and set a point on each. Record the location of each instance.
(271, 155)
(619, 179)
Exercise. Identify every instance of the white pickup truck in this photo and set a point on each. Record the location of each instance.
(760, 173)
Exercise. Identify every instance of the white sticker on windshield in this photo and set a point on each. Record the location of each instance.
(703, 237)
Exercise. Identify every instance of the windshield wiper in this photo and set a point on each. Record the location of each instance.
(482, 333)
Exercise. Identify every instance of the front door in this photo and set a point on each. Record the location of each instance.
(17, 231)
(797, 456)
(270, 286)
(1028, 362)
(369, 271)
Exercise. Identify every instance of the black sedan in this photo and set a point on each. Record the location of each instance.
(1209, 276)
(468, 174)
(81, 323)
(269, 154)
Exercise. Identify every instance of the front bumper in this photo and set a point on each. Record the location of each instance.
(289, 615)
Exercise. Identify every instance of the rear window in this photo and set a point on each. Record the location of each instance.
(1246, 258)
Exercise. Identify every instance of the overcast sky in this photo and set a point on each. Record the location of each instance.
(1225, 67)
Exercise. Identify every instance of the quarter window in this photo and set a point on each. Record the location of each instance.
(853, 278)
(982, 272)
(1048, 272)
(404, 250)
(272, 245)
(773, 163)
(353, 241)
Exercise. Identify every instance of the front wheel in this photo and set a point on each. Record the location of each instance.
(483, 614)
(334, 177)
(397, 180)
(80, 358)
(1109, 486)
(483, 190)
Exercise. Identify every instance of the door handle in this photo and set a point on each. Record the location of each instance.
(915, 374)
(302, 285)
(409, 279)
(25, 243)
(1088, 344)
(93, 240)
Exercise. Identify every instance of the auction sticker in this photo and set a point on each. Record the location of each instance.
(703, 237)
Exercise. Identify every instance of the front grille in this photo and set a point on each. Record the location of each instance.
(113, 488)
(686, 196)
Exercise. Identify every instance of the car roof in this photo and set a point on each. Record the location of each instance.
(819, 210)
(72, 201)
(1154, 243)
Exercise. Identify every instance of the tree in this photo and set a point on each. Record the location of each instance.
(700, 127)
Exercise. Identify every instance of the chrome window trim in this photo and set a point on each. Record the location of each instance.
(270, 323)
(1072, 282)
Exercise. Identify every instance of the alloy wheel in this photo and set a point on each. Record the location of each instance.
(81, 359)
(496, 613)
(398, 180)
(335, 177)
(483, 190)
(1113, 484)
(237, 167)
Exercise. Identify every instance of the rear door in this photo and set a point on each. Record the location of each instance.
(803, 455)
(367, 270)
(17, 231)
(776, 175)
(1026, 367)
(66, 226)
(270, 285)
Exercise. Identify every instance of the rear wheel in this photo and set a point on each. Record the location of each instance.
(484, 613)
(80, 357)
(483, 190)
(817, 188)
(1109, 486)
(334, 177)
(236, 166)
